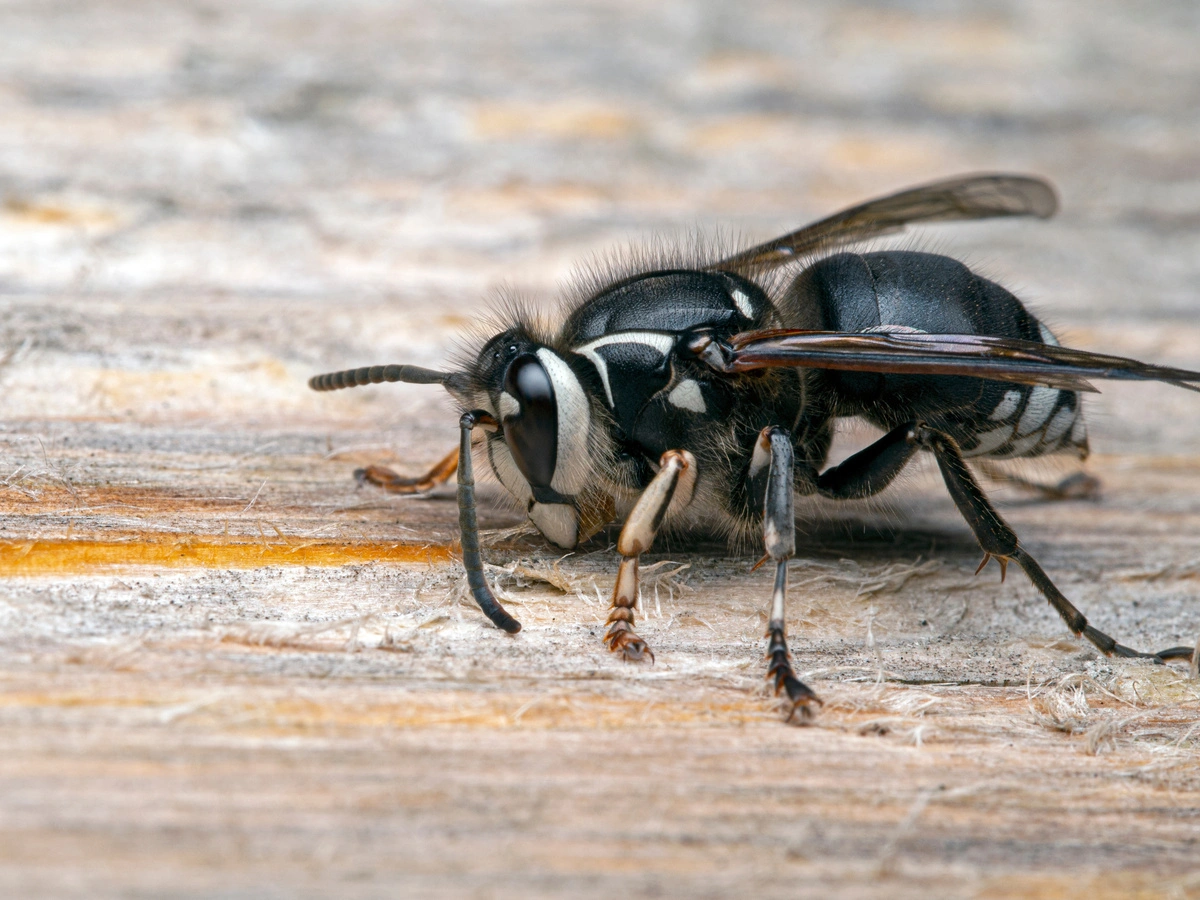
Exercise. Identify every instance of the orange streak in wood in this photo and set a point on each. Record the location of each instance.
(76, 556)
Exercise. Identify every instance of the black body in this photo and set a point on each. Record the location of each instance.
(871, 292)
(705, 396)
(883, 292)
(675, 305)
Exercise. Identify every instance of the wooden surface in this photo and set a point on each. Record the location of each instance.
(226, 671)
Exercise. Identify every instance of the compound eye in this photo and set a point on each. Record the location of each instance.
(532, 433)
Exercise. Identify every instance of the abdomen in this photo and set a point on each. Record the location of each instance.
(899, 290)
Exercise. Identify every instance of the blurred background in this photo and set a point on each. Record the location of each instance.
(373, 157)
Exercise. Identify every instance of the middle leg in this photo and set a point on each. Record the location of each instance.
(773, 478)
(779, 539)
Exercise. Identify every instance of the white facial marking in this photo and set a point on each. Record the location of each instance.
(1006, 407)
(572, 465)
(506, 470)
(1063, 419)
(557, 522)
(663, 343)
(990, 440)
(1038, 408)
(508, 405)
(742, 301)
(1047, 336)
(686, 395)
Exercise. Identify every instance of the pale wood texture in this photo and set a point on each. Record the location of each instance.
(227, 671)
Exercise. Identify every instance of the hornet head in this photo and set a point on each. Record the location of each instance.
(540, 450)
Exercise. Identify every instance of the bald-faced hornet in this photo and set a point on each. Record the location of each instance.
(703, 395)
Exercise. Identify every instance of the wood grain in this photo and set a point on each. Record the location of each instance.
(228, 670)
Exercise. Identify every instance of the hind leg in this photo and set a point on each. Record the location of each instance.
(1000, 542)
(394, 483)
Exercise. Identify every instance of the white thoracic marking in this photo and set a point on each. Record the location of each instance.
(1058, 425)
(508, 405)
(686, 395)
(990, 440)
(1038, 408)
(1006, 407)
(742, 302)
(572, 465)
(663, 343)
(557, 521)
(1047, 336)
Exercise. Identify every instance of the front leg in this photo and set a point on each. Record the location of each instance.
(774, 450)
(674, 482)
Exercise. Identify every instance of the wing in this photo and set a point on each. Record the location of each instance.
(966, 197)
(976, 356)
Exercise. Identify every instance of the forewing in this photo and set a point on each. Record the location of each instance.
(966, 197)
(977, 356)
